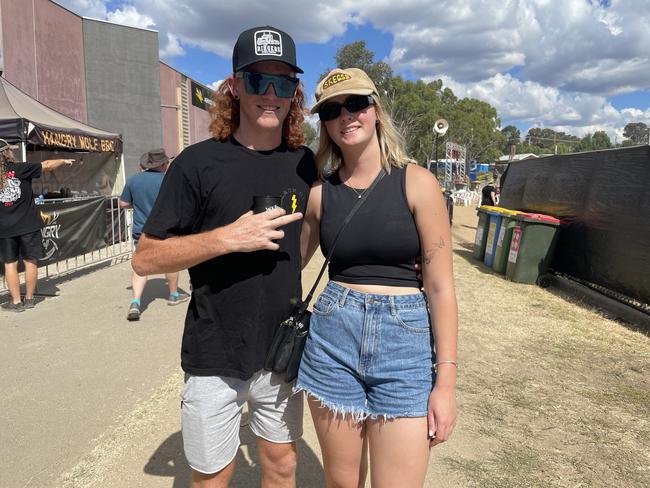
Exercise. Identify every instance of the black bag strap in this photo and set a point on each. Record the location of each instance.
(347, 220)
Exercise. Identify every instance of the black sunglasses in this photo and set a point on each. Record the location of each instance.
(258, 83)
(353, 104)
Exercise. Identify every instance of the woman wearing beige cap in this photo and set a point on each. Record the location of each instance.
(379, 366)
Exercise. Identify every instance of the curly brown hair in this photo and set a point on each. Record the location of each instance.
(225, 116)
(6, 156)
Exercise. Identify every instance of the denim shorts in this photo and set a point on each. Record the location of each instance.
(369, 355)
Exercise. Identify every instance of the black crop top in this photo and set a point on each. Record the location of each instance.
(381, 242)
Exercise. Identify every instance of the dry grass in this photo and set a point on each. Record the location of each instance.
(558, 393)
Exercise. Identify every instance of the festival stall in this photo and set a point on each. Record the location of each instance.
(78, 204)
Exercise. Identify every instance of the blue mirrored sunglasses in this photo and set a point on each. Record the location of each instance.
(258, 83)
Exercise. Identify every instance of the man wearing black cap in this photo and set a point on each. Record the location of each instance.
(140, 193)
(245, 267)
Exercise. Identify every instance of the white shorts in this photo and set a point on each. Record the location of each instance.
(212, 409)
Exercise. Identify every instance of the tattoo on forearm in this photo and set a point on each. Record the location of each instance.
(430, 253)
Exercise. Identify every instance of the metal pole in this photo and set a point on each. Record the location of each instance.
(436, 172)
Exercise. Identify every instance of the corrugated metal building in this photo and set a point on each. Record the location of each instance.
(103, 74)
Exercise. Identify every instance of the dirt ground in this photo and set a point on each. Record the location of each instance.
(550, 393)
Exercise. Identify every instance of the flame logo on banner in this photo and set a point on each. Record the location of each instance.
(46, 218)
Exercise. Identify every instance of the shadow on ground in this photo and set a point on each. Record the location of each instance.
(622, 313)
(467, 253)
(169, 461)
(48, 286)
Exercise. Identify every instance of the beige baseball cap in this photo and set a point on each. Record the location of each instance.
(350, 81)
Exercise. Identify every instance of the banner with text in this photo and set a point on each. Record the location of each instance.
(70, 139)
(72, 228)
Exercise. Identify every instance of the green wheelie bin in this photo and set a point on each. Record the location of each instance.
(531, 247)
(497, 217)
(482, 231)
(502, 248)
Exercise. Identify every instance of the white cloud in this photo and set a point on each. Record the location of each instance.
(532, 104)
(172, 48)
(87, 8)
(215, 85)
(575, 45)
(538, 62)
(131, 17)
(214, 26)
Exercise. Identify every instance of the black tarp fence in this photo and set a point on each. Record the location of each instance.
(72, 227)
(603, 198)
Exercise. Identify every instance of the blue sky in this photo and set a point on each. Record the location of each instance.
(575, 65)
(313, 58)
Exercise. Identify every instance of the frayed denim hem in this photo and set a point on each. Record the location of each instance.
(356, 415)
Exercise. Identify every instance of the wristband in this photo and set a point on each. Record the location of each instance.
(435, 365)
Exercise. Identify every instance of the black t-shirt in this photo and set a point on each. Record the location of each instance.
(18, 214)
(238, 299)
(487, 195)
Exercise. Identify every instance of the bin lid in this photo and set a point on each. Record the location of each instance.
(502, 212)
(535, 217)
(485, 209)
(507, 211)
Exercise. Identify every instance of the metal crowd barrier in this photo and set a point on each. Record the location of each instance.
(118, 248)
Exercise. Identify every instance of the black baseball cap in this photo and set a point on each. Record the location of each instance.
(264, 44)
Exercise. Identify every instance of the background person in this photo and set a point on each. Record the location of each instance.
(489, 194)
(140, 194)
(20, 223)
(245, 268)
(369, 367)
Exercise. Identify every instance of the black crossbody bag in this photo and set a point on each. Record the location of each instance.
(289, 340)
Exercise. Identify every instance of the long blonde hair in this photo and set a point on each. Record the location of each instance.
(329, 157)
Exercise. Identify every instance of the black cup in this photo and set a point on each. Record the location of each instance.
(267, 202)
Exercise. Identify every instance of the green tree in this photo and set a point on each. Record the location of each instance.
(474, 124)
(586, 143)
(601, 140)
(526, 147)
(512, 136)
(627, 143)
(637, 132)
(311, 136)
(594, 142)
(357, 55)
(414, 107)
(550, 141)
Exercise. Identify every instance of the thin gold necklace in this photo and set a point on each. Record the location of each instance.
(358, 193)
